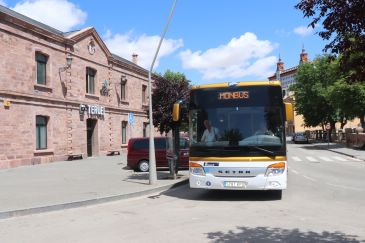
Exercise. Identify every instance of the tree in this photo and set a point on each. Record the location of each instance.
(312, 96)
(344, 26)
(349, 100)
(172, 86)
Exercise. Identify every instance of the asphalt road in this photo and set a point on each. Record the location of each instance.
(325, 202)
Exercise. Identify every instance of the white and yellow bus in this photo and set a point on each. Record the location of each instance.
(237, 136)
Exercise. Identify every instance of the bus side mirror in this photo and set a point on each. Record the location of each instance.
(176, 112)
(289, 112)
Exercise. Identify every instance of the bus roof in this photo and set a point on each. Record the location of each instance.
(246, 83)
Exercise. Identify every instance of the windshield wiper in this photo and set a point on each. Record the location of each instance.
(268, 152)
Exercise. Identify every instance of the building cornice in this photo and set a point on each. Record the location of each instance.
(28, 99)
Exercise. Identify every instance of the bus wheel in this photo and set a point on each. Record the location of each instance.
(277, 194)
(143, 166)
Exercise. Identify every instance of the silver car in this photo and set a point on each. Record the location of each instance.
(300, 137)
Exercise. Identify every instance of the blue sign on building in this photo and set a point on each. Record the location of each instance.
(131, 118)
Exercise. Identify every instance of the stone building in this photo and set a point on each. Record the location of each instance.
(64, 94)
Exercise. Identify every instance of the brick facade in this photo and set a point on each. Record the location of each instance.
(60, 98)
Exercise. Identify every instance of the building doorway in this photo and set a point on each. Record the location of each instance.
(91, 136)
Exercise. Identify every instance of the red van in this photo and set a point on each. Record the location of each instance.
(138, 153)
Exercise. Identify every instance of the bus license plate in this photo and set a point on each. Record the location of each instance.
(235, 184)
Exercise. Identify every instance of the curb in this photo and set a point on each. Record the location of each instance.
(77, 204)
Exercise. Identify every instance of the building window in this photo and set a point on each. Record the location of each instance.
(90, 80)
(124, 132)
(145, 124)
(41, 132)
(41, 60)
(144, 94)
(123, 95)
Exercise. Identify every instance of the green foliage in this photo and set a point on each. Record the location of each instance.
(311, 91)
(343, 25)
(322, 95)
(171, 87)
(348, 99)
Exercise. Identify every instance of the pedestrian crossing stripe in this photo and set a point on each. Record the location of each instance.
(325, 159)
(311, 159)
(322, 158)
(355, 159)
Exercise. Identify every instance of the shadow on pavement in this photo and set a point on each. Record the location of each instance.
(265, 234)
(185, 192)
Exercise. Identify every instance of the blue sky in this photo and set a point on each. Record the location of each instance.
(209, 41)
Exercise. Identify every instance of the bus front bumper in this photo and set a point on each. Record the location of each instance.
(259, 182)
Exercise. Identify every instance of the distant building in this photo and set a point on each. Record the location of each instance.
(64, 94)
(287, 76)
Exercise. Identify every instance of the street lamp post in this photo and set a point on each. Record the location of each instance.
(152, 156)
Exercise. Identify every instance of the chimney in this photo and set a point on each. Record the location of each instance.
(135, 58)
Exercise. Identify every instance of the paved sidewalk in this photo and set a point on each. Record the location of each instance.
(341, 149)
(67, 184)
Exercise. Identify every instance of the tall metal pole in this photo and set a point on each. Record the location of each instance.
(152, 155)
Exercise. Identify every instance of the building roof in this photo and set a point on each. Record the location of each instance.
(66, 35)
(284, 72)
(24, 18)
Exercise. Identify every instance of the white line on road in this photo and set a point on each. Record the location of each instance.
(345, 187)
(340, 158)
(296, 158)
(311, 159)
(309, 178)
(325, 158)
(355, 159)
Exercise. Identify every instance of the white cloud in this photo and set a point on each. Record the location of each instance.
(2, 3)
(60, 14)
(303, 30)
(240, 57)
(145, 46)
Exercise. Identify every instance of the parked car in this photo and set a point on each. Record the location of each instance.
(138, 153)
(300, 137)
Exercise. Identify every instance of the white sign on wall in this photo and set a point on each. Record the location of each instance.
(91, 110)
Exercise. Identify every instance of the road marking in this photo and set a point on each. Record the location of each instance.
(325, 158)
(311, 159)
(295, 172)
(345, 187)
(309, 178)
(296, 158)
(340, 158)
(355, 159)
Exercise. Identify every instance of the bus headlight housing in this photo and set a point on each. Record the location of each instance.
(196, 169)
(275, 169)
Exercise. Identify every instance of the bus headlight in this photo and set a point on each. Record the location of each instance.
(275, 169)
(196, 169)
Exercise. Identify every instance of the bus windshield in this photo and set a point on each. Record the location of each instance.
(236, 121)
(236, 127)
